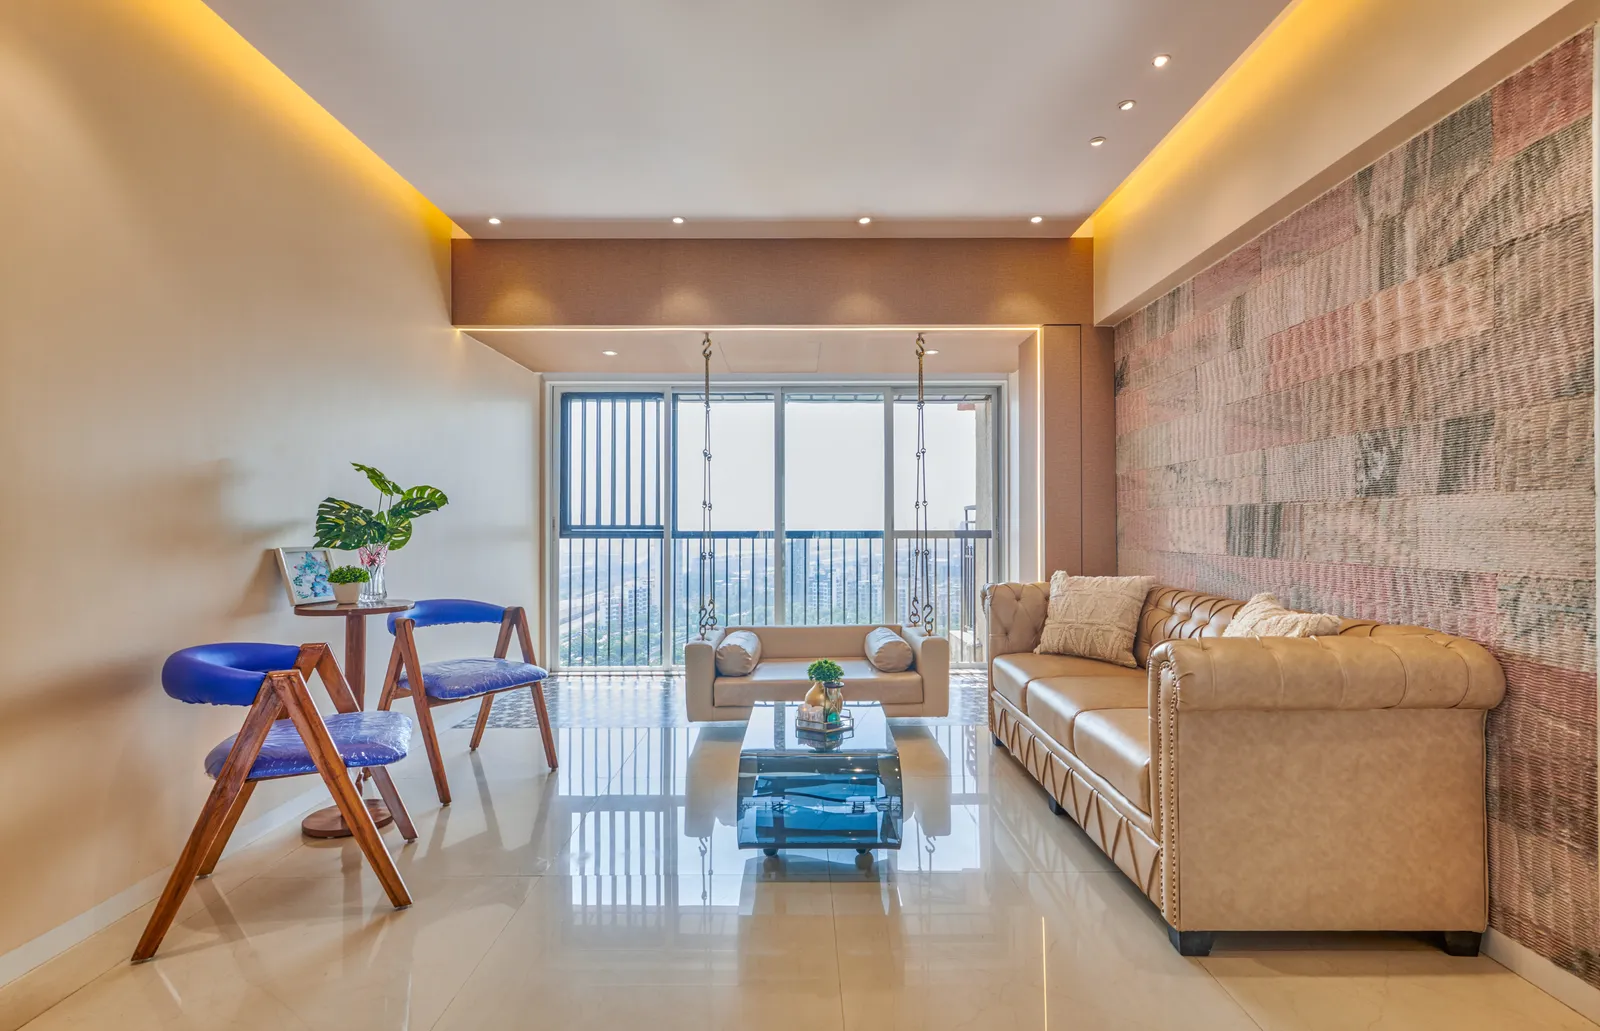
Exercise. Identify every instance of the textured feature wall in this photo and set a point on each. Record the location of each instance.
(1383, 407)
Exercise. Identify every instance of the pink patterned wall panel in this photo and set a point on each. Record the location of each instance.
(1383, 407)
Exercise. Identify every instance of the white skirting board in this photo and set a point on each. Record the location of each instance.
(57, 940)
(1569, 989)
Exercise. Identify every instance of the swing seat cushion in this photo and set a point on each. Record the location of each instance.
(454, 679)
(776, 680)
(362, 738)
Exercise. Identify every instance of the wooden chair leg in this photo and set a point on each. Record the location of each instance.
(219, 805)
(405, 646)
(545, 730)
(391, 798)
(430, 744)
(483, 721)
(292, 689)
(219, 841)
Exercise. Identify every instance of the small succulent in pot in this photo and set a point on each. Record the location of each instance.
(827, 678)
(347, 581)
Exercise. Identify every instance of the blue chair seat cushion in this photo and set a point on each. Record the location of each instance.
(363, 739)
(468, 678)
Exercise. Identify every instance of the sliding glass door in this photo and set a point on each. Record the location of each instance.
(812, 513)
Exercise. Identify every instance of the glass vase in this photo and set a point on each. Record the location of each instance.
(373, 559)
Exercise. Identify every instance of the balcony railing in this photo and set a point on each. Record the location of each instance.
(611, 605)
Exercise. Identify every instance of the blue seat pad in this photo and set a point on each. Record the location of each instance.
(363, 739)
(467, 678)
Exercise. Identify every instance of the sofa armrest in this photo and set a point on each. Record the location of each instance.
(700, 675)
(931, 658)
(1015, 614)
(1403, 671)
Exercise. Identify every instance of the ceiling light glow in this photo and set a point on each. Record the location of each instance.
(677, 221)
(1097, 141)
(494, 221)
(1036, 219)
(1126, 105)
(609, 354)
(865, 220)
(931, 350)
(1161, 60)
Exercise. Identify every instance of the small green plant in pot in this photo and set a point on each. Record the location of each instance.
(347, 581)
(827, 677)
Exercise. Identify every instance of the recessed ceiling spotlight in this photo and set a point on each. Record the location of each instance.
(494, 221)
(1036, 219)
(1126, 105)
(1097, 141)
(1161, 60)
(609, 354)
(865, 220)
(677, 221)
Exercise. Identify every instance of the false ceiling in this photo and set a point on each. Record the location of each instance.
(851, 352)
(606, 118)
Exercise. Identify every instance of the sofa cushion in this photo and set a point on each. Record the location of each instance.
(1094, 616)
(1011, 673)
(888, 651)
(738, 654)
(1264, 616)
(776, 680)
(1115, 743)
(1055, 702)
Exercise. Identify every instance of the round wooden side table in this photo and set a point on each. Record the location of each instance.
(327, 823)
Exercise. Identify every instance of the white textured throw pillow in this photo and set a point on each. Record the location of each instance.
(1094, 617)
(1264, 616)
(738, 654)
(888, 651)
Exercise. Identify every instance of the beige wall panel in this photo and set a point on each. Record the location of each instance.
(1099, 436)
(919, 283)
(212, 298)
(1061, 494)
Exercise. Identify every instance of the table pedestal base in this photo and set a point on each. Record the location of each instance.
(327, 823)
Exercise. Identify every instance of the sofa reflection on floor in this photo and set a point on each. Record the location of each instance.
(1262, 784)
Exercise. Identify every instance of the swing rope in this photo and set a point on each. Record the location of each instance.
(920, 591)
(708, 601)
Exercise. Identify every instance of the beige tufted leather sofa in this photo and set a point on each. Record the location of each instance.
(1269, 784)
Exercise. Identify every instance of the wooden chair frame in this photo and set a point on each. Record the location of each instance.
(283, 692)
(404, 657)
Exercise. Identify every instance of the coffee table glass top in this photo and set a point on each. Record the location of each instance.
(801, 789)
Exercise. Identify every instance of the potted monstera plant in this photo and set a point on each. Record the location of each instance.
(373, 533)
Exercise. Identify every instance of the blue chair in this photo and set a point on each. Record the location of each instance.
(456, 680)
(271, 680)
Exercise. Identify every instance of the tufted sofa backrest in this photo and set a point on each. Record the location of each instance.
(1175, 614)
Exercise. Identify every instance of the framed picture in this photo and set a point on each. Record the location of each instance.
(305, 574)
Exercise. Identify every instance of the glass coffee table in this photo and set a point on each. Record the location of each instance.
(800, 789)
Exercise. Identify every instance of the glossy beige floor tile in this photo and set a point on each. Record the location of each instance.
(611, 893)
(1382, 983)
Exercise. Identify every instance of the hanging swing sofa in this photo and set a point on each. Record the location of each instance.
(906, 668)
(786, 651)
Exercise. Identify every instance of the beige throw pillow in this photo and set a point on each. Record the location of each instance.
(888, 651)
(738, 654)
(1263, 616)
(1094, 617)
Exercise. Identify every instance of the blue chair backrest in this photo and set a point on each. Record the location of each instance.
(443, 611)
(224, 674)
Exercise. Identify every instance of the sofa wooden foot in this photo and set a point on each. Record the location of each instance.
(1462, 943)
(1190, 943)
(997, 742)
(1056, 807)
